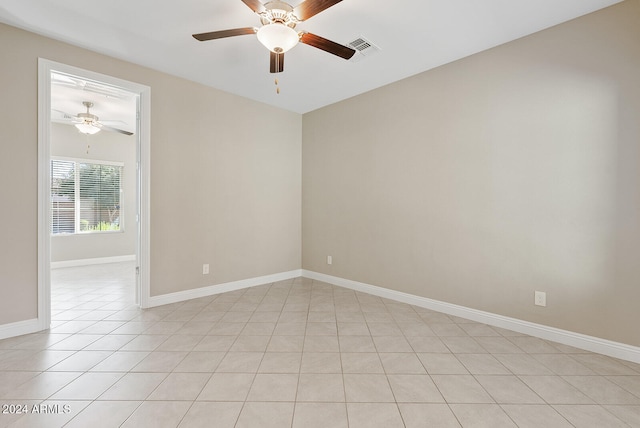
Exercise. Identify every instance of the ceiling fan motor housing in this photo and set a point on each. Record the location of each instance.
(278, 12)
(87, 117)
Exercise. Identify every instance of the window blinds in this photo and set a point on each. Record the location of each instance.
(85, 196)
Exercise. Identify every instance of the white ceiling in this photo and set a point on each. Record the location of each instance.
(413, 35)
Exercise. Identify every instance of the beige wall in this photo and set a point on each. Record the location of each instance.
(225, 177)
(67, 142)
(514, 170)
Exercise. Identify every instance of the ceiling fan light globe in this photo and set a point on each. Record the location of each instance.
(87, 128)
(277, 37)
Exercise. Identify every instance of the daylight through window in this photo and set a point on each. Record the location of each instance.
(85, 196)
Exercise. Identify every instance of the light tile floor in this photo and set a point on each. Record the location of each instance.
(296, 353)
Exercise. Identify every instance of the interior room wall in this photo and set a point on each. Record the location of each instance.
(67, 142)
(484, 180)
(225, 177)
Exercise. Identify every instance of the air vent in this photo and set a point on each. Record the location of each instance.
(364, 48)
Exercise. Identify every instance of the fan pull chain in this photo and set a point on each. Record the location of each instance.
(277, 87)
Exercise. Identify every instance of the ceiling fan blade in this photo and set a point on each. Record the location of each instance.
(224, 33)
(309, 8)
(113, 122)
(327, 45)
(65, 115)
(112, 129)
(254, 5)
(276, 62)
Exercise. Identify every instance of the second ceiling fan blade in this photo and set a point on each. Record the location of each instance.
(112, 129)
(254, 5)
(224, 33)
(327, 45)
(309, 8)
(276, 62)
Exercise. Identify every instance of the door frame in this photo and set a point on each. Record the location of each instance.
(45, 67)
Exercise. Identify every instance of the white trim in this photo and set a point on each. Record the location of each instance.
(577, 340)
(96, 261)
(19, 328)
(45, 67)
(196, 293)
(143, 201)
(44, 194)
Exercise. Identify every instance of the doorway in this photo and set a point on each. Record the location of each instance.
(93, 148)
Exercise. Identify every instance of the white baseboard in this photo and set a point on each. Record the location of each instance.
(19, 328)
(196, 293)
(577, 340)
(96, 261)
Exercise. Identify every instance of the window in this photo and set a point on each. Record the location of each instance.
(85, 196)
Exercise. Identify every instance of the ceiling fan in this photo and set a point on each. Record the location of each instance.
(277, 32)
(88, 123)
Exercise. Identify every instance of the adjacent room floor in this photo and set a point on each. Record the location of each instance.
(295, 353)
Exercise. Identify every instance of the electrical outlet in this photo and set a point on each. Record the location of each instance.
(540, 298)
(205, 269)
(329, 260)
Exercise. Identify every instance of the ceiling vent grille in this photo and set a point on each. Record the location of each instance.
(364, 48)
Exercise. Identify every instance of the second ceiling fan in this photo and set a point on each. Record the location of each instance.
(278, 32)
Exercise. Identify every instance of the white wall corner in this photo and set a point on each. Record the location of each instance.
(180, 296)
(565, 337)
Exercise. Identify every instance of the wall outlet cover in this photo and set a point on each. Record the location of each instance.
(540, 298)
